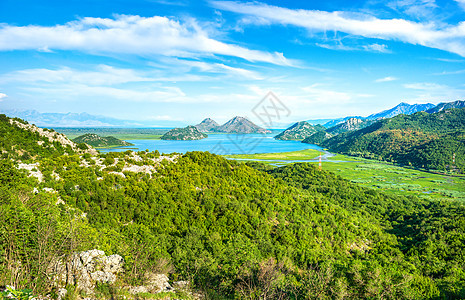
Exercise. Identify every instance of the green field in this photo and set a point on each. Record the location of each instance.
(119, 133)
(375, 174)
(295, 155)
(307, 154)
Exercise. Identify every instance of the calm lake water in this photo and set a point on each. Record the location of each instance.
(220, 144)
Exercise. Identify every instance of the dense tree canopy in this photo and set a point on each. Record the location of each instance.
(422, 140)
(235, 230)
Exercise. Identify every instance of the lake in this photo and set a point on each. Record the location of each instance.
(220, 144)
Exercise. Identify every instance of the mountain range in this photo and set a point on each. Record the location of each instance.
(347, 124)
(235, 125)
(79, 120)
(447, 105)
(424, 140)
(88, 120)
(401, 108)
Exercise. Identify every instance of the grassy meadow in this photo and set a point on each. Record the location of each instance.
(374, 174)
(119, 133)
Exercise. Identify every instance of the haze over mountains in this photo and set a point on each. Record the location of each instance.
(80, 120)
(87, 120)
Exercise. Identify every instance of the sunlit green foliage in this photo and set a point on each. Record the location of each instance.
(422, 140)
(234, 230)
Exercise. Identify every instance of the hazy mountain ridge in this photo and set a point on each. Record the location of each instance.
(401, 108)
(75, 120)
(447, 105)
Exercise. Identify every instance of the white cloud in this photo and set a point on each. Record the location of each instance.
(450, 72)
(66, 92)
(377, 48)
(316, 93)
(221, 68)
(2, 96)
(386, 79)
(129, 35)
(428, 91)
(425, 86)
(415, 8)
(103, 75)
(450, 38)
(109, 76)
(370, 48)
(461, 3)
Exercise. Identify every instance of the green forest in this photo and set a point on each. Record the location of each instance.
(234, 230)
(433, 141)
(97, 141)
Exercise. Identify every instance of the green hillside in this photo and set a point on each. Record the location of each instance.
(23, 144)
(299, 131)
(421, 140)
(95, 140)
(233, 231)
(188, 133)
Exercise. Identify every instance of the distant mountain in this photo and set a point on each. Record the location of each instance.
(188, 133)
(207, 125)
(402, 108)
(430, 140)
(53, 120)
(241, 125)
(317, 138)
(319, 121)
(349, 125)
(299, 131)
(99, 141)
(338, 121)
(447, 105)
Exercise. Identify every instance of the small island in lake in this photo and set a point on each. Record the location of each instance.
(188, 133)
(97, 141)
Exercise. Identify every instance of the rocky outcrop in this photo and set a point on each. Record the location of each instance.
(207, 125)
(447, 105)
(85, 269)
(155, 283)
(350, 124)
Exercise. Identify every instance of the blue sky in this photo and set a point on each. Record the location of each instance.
(181, 61)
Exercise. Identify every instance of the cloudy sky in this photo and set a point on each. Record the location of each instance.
(184, 60)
